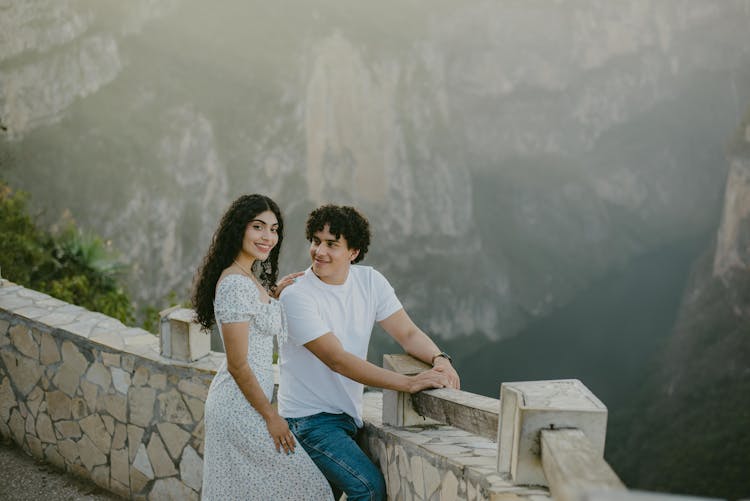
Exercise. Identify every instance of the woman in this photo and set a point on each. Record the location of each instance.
(249, 451)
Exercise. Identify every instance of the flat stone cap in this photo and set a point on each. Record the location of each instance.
(557, 394)
(186, 315)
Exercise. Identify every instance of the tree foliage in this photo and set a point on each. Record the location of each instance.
(71, 265)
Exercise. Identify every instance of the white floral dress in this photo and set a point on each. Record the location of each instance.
(240, 460)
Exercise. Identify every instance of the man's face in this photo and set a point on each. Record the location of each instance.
(331, 256)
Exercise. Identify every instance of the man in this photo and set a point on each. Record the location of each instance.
(331, 311)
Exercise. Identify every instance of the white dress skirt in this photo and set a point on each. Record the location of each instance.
(240, 460)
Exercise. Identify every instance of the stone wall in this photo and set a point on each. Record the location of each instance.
(92, 396)
(95, 398)
(438, 462)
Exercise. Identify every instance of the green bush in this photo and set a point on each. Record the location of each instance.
(73, 266)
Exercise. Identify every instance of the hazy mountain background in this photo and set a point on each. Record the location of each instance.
(557, 188)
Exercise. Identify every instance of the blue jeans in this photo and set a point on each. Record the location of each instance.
(330, 441)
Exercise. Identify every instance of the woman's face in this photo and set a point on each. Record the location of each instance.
(261, 236)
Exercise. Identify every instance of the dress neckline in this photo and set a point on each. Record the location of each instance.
(255, 287)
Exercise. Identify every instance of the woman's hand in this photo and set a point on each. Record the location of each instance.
(283, 283)
(279, 431)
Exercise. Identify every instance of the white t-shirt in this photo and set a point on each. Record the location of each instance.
(314, 308)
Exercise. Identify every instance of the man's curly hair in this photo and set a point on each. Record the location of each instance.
(341, 220)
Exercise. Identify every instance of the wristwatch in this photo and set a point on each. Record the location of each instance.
(442, 354)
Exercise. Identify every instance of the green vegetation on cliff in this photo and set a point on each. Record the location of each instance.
(71, 265)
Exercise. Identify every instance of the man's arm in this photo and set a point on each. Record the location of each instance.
(417, 344)
(329, 350)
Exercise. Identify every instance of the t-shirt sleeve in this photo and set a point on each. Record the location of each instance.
(237, 300)
(303, 318)
(386, 301)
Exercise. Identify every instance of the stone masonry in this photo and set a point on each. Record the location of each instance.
(92, 396)
(95, 398)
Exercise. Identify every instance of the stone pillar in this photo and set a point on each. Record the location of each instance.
(181, 338)
(397, 406)
(526, 408)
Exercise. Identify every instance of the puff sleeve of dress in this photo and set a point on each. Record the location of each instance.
(237, 299)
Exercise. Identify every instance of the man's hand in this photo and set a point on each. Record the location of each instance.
(427, 380)
(444, 366)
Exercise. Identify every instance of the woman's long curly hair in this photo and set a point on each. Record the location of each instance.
(226, 245)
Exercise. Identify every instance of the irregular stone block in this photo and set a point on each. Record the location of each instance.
(141, 404)
(174, 437)
(121, 433)
(449, 486)
(418, 478)
(30, 424)
(94, 428)
(21, 337)
(53, 456)
(58, 405)
(142, 464)
(69, 450)
(158, 381)
(116, 405)
(197, 390)
(171, 488)
(35, 399)
(393, 480)
(172, 408)
(23, 371)
(160, 460)
(140, 377)
(120, 466)
(128, 363)
(137, 482)
(7, 399)
(135, 434)
(120, 380)
(431, 478)
(191, 469)
(44, 429)
(90, 454)
(35, 446)
(528, 407)
(50, 354)
(79, 471)
(99, 375)
(109, 423)
(73, 367)
(90, 393)
(100, 476)
(111, 360)
(78, 408)
(119, 488)
(68, 429)
(197, 407)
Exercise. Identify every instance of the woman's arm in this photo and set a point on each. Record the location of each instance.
(235, 345)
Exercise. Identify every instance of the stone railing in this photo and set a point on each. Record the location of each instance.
(97, 399)
(100, 400)
(539, 438)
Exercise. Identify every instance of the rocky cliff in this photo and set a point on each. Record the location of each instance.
(508, 153)
(701, 385)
